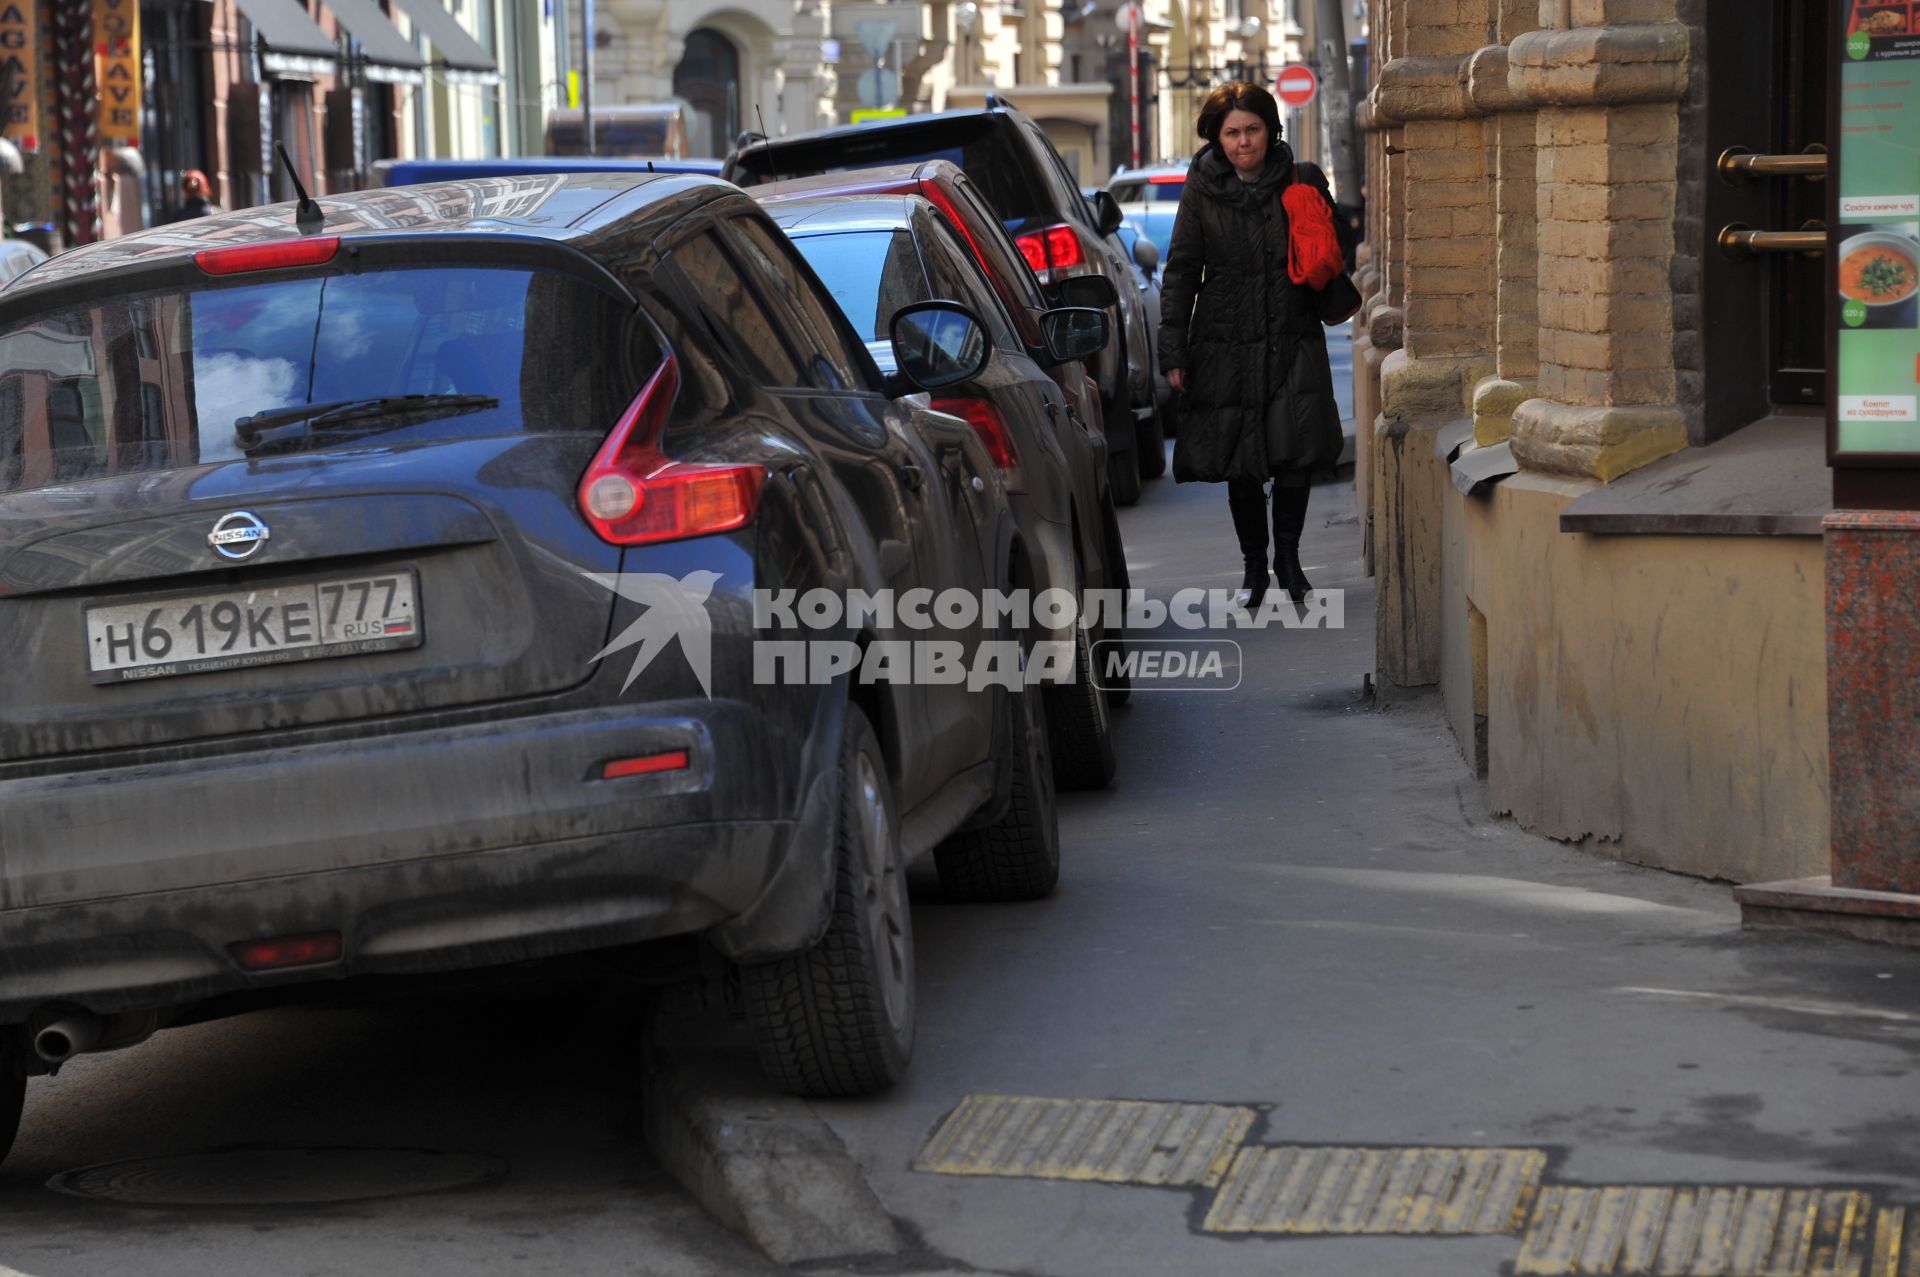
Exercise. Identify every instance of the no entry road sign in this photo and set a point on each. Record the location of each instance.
(1297, 85)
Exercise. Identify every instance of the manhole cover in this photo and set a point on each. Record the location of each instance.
(277, 1176)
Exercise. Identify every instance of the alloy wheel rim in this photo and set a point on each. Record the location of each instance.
(886, 896)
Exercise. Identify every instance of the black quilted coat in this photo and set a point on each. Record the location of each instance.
(1247, 335)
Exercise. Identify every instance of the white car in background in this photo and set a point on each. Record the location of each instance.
(17, 257)
(1150, 196)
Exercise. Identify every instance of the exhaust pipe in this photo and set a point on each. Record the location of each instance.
(70, 1035)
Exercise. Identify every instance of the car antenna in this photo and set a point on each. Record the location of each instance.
(766, 141)
(306, 214)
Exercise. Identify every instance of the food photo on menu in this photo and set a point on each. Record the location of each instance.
(1883, 28)
(1880, 276)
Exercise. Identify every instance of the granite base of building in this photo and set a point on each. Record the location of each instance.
(1815, 904)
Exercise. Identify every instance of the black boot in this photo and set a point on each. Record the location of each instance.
(1248, 504)
(1289, 517)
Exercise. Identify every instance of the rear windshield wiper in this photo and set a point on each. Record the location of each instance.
(247, 431)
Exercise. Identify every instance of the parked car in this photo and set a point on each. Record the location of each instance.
(414, 172)
(877, 253)
(1023, 179)
(17, 257)
(311, 548)
(1151, 196)
(1146, 269)
(1099, 546)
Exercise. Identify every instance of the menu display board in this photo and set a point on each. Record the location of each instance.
(1873, 270)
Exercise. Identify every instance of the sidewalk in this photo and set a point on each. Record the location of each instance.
(1294, 907)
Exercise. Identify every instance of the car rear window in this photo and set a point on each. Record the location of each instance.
(158, 380)
(1148, 192)
(871, 275)
(985, 147)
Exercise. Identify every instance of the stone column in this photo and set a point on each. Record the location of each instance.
(1608, 131)
(1517, 250)
(1448, 212)
(806, 84)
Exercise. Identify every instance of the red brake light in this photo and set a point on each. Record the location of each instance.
(287, 951)
(633, 494)
(992, 429)
(1063, 246)
(275, 256)
(671, 761)
(1167, 179)
(1034, 249)
(1054, 246)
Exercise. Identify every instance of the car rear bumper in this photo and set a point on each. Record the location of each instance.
(462, 846)
(444, 914)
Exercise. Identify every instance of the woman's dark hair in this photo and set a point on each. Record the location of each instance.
(1239, 96)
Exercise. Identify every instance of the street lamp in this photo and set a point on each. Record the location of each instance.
(966, 16)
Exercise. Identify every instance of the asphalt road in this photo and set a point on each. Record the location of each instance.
(540, 1082)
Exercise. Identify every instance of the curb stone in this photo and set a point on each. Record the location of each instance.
(761, 1162)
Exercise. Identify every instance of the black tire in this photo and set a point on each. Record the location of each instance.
(1123, 475)
(1119, 684)
(1151, 444)
(13, 1087)
(837, 1020)
(1018, 856)
(1080, 724)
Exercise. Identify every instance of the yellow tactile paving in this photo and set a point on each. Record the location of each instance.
(1726, 1231)
(1108, 1141)
(1336, 1190)
(1405, 1191)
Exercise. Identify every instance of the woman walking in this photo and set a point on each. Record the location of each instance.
(1240, 334)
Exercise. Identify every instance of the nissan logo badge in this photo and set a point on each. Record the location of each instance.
(238, 535)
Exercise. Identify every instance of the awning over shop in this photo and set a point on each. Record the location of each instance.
(388, 55)
(293, 42)
(458, 52)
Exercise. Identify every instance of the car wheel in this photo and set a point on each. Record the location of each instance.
(1113, 642)
(13, 1088)
(1018, 856)
(1151, 443)
(838, 1019)
(1123, 474)
(1080, 724)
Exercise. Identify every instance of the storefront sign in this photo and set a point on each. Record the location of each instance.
(116, 47)
(1873, 274)
(19, 80)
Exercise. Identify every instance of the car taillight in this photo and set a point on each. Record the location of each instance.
(1063, 246)
(633, 494)
(1034, 249)
(1168, 179)
(673, 760)
(992, 429)
(1055, 246)
(287, 951)
(275, 256)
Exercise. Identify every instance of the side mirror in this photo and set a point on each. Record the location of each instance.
(1095, 291)
(938, 344)
(1106, 213)
(1074, 332)
(1147, 253)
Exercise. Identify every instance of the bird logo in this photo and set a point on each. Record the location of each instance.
(676, 607)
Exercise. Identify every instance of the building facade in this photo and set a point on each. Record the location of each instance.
(1595, 473)
(114, 100)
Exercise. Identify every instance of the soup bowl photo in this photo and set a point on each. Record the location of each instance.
(1879, 268)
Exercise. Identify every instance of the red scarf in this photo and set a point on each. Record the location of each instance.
(1313, 247)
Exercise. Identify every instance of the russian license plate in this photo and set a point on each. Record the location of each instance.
(195, 634)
